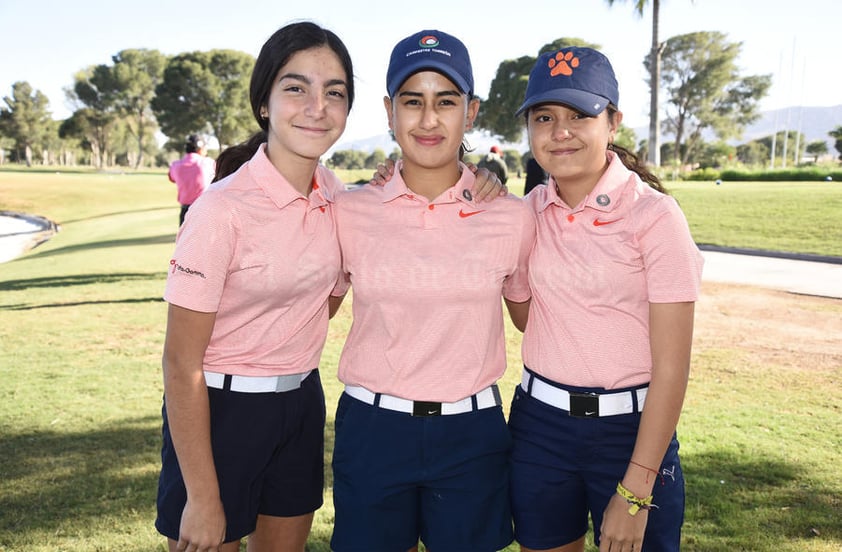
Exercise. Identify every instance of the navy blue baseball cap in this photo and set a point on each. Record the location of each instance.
(430, 50)
(580, 78)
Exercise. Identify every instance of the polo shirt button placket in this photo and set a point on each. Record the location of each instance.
(429, 216)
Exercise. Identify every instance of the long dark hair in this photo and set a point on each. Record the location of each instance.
(275, 53)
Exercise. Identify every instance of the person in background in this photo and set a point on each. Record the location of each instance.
(535, 175)
(614, 277)
(494, 162)
(192, 173)
(422, 445)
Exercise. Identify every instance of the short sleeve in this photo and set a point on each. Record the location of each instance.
(204, 248)
(672, 261)
(516, 286)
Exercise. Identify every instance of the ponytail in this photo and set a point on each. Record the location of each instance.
(232, 158)
(632, 162)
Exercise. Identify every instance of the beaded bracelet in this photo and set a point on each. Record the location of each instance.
(636, 503)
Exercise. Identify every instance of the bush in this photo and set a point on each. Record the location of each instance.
(702, 174)
(808, 174)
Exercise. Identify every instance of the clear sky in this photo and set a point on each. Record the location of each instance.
(45, 43)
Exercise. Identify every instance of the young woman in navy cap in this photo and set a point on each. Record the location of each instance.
(614, 276)
(422, 445)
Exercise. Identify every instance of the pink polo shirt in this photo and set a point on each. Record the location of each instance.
(192, 175)
(595, 269)
(264, 258)
(427, 280)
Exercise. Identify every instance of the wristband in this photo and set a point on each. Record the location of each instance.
(635, 502)
(656, 472)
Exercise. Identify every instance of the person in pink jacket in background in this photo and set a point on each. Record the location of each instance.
(192, 173)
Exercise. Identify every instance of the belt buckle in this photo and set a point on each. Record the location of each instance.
(425, 408)
(584, 405)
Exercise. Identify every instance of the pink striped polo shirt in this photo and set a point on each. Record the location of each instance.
(427, 279)
(265, 259)
(595, 269)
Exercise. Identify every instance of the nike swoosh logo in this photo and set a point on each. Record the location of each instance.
(589, 413)
(597, 222)
(431, 412)
(463, 214)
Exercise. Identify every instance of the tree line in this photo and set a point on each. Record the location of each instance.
(120, 108)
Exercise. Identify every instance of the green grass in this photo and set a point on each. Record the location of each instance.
(81, 332)
(800, 217)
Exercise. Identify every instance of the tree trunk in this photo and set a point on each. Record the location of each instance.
(96, 155)
(654, 85)
(139, 141)
(679, 137)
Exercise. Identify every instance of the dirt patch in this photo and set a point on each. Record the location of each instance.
(771, 326)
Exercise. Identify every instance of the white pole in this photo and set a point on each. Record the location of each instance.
(777, 112)
(800, 113)
(789, 107)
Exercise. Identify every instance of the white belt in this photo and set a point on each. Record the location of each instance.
(584, 405)
(487, 398)
(256, 384)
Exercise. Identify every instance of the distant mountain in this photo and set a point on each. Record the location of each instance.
(479, 141)
(813, 122)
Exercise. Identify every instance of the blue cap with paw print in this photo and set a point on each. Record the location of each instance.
(580, 78)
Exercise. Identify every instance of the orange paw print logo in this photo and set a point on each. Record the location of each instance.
(563, 64)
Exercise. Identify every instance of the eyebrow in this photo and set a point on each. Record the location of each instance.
(438, 94)
(302, 78)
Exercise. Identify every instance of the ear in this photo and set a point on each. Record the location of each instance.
(387, 103)
(473, 110)
(614, 125)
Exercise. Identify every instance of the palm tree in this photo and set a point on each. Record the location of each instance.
(654, 80)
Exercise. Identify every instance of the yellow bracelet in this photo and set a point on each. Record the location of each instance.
(636, 503)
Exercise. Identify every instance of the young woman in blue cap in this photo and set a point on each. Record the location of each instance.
(422, 444)
(614, 276)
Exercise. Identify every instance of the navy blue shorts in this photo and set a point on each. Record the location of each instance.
(398, 478)
(564, 468)
(269, 454)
